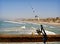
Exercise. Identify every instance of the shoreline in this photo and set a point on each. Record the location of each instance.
(53, 24)
(49, 23)
(35, 22)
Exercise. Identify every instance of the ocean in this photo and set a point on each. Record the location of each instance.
(21, 27)
(10, 27)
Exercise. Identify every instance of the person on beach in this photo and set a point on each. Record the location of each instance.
(39, 31)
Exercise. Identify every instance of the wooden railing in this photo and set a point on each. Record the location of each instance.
(28, 38)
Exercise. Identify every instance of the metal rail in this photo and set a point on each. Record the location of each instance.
(28, 38)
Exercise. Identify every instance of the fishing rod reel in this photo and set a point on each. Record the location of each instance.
(39, 31)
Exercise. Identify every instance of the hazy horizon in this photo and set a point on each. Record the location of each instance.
(13, 9)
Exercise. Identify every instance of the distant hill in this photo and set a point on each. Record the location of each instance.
(55, 20)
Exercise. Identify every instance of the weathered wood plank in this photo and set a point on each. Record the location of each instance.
(28, 38)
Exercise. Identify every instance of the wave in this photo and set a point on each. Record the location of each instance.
(48, 32)
(52, 27)
(45, 25)
(23, 27)
(15, 22)
(21, 31)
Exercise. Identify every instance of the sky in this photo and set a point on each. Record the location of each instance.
(13, 9)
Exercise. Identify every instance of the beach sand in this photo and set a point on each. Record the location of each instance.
(39, 22)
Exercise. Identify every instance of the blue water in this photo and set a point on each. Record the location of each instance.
(8, 26)
(15, 28)
(55, 29)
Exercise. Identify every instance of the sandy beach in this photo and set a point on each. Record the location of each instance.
(54, 24)
(39, 22)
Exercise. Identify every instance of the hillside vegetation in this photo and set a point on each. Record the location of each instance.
(55, 20)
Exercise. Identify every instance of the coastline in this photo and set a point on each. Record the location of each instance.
(53, 24)
(35, 22)
(38, 22)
